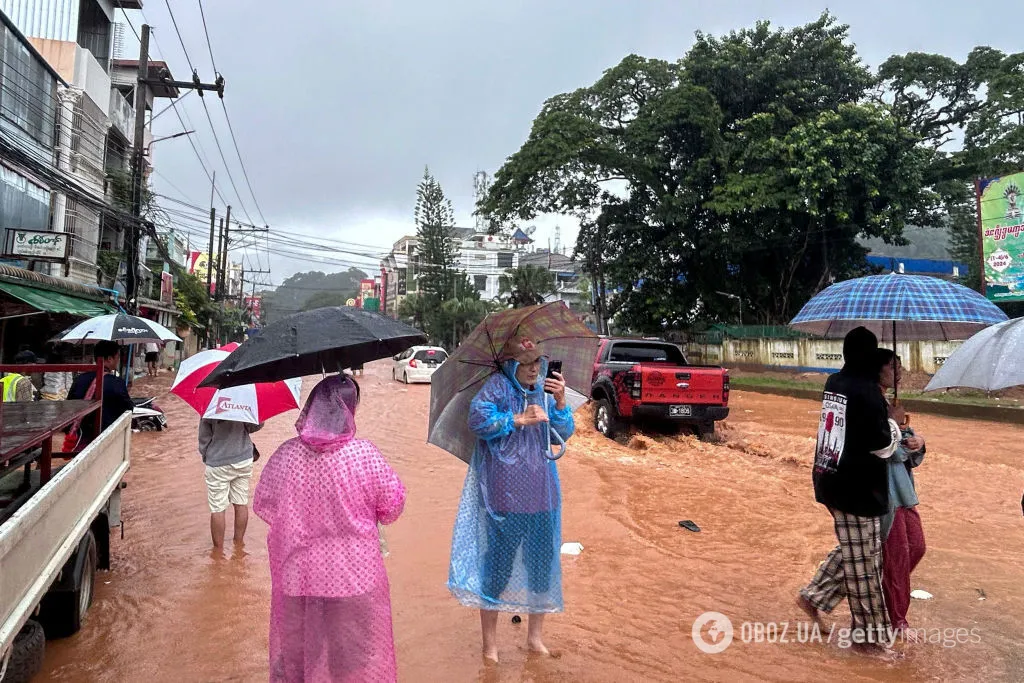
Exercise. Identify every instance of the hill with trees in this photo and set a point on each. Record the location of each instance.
(306, 291)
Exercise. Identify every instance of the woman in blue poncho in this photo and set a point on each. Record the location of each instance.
(508, 536)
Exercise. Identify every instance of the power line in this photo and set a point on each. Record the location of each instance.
(174, 105)
(206, 109)
(208, 43)
(241, 163)
(180, 39)
(223, 158)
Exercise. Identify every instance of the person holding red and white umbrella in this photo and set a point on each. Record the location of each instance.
(229, 418)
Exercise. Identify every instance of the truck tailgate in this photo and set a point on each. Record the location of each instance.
(39, 538)
(690, 385)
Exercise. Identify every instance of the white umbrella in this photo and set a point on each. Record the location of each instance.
(118, 327)
(990, 360)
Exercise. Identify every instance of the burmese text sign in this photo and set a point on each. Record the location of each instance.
(1001, 208)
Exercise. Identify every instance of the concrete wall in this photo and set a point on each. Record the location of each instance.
(91, 78)
(811, 355)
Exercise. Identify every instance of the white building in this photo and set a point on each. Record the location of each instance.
(484, 258)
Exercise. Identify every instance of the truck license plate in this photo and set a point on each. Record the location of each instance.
(679, 411)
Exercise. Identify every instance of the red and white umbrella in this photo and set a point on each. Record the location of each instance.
(253, 403)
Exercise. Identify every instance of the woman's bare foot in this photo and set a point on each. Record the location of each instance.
(810, 610)
(489, 628)
(534, 639)
(886, 654)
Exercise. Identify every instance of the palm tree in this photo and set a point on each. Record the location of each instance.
(463, 315)
(526, 286)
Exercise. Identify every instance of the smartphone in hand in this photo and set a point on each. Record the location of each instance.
(554, 366)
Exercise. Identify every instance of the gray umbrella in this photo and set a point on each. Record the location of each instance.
(990, 360)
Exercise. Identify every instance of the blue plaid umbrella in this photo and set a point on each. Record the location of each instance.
(894, 306)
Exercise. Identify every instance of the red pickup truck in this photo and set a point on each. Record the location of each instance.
(639, 380)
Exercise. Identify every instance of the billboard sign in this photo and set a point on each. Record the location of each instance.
(255, 306)
(166, 288)
(366, 288)
(1001, 211)
(198, 263)
(39, 246)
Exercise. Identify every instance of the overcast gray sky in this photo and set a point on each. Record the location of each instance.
(338, 106)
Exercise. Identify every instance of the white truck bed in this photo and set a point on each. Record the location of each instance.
(40, 537)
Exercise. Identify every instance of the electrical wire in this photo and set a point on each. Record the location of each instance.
(213, 62)
(241, 163)
(180, 39)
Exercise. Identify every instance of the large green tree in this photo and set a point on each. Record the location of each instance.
(436, 253)
(967, 117)
(750, 166)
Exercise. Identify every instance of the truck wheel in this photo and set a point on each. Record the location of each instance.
(26, 654)
(605, 420)
(62, 611)
(706, 432)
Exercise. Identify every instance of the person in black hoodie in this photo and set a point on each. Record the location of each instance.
(857, 432)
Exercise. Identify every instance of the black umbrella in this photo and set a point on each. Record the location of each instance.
(313, 342)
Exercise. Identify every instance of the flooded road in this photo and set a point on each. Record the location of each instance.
(172, 611)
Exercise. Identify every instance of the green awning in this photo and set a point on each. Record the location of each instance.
(55, 302)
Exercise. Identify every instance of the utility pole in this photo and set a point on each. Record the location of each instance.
(213, 227)
(131, 235)
(138, 166)
(131, 242)
(223, 256)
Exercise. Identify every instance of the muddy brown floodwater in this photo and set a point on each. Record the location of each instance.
(171, 611)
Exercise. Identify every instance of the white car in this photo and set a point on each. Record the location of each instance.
(418, 364)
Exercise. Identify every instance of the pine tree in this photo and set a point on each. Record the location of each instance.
(435, 227)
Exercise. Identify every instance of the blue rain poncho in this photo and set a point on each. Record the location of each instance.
(508, 535)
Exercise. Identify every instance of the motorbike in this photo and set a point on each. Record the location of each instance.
(147, 416)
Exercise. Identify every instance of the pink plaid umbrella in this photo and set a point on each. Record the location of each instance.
(253, 403)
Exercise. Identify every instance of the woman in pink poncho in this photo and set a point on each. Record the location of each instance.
(323, 495)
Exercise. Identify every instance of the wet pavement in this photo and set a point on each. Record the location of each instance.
(170, 610)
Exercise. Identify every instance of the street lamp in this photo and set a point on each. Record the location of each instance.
(737, 298)
(167, 137)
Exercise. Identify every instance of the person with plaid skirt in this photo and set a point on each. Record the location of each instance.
(857, 433)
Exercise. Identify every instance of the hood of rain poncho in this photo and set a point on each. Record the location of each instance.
(328, 418)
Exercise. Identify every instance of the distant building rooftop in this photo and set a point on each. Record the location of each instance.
(552, 261)
(156, 70)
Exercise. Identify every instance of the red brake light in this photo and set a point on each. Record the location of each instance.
(634, 383)
(725, 387)
(412, 363)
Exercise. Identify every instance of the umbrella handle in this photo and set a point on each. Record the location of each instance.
(551, 454)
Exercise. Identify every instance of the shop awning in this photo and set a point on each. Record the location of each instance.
(55, 302)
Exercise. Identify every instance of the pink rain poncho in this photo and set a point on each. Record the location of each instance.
(323, 495)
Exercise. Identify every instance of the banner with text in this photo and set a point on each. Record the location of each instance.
(1001, 205)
